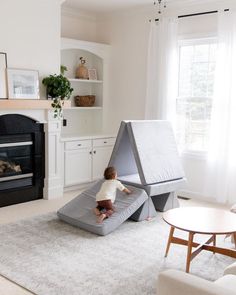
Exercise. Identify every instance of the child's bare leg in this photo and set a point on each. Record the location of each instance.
(101, 217)
(96, 211)
(108, 207)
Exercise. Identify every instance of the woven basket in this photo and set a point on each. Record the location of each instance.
(84, 100)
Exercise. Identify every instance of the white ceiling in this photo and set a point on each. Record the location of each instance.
(105, 5)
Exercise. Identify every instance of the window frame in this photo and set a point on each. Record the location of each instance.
(191, 41)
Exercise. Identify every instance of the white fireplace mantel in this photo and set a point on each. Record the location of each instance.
(53, 183)
(29, 104)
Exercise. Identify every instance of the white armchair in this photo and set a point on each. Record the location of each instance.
(231, 269)
(174, 282)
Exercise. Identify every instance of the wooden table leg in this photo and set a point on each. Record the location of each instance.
(190, 245)
(234, 235)
(214, 242)
(172, 229)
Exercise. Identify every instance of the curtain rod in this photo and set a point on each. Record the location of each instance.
(200, 13)
(196, 14)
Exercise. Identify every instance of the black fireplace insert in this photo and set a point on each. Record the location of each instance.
(22, 159)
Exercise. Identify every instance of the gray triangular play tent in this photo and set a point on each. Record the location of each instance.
(145, 155)
(146, 158)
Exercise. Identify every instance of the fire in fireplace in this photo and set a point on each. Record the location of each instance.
(21, 159)
(9, 168)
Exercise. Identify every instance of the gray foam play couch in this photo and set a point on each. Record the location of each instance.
(146, 158)
(145, 155)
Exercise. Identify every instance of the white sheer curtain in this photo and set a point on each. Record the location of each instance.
(221, 164)
(162, 70)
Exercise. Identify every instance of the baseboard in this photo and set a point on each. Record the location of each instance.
(77, 187)
(184, 198)
(186, 194)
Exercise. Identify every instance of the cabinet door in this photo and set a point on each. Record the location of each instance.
(101, 157)
(78, 166)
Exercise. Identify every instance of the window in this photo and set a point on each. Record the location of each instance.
(197, 61)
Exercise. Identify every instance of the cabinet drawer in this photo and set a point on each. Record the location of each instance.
(78, 144)
(104, 141)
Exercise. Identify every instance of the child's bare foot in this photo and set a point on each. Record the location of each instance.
(101, 217)
(96, 211)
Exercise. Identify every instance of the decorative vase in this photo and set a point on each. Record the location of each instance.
(82, 71)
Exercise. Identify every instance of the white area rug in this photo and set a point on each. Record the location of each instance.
(50, 257)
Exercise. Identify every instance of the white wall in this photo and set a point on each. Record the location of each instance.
(78, 25)
(128, 35)
(30, 34)
(128, 32)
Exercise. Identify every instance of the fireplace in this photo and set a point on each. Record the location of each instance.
(22, 161)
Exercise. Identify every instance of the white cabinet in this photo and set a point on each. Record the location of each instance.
(85, 160)
(78, 161)
(102, 149)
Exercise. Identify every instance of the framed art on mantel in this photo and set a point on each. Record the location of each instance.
(23, 84)
(3, 78)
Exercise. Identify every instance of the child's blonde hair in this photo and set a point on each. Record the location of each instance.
(110, 173)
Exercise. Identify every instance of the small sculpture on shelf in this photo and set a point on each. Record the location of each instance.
(82, 71)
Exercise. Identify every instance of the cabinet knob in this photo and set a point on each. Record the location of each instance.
(90, 153)
(79, 144)
(104, 141)
(94, 152)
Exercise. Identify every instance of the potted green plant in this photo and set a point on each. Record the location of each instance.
(59, 89)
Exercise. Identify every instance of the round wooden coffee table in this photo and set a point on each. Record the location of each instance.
(200, 220)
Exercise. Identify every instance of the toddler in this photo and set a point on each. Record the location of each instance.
(107, 194)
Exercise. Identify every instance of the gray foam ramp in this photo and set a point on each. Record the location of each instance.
(78, 212)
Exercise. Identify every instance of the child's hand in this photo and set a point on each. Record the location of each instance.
(127, 191)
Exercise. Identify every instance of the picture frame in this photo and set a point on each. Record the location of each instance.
(3, 77)
(92, 74)
(23, 84)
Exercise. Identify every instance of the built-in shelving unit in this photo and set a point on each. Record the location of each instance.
(87, 152)
(88, 119)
